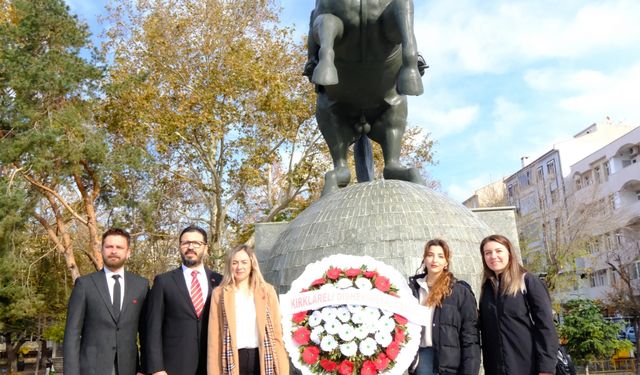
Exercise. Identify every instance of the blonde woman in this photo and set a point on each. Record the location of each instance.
(245, 334)
(450, 344)
(516, 320)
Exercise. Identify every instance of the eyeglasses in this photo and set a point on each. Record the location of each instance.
(194, 244)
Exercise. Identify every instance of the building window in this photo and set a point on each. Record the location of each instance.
(551, 168)
(586, 180)
(578, 182)
(607, 170)
(540, 174)
(596, 174)
(599, 278)
(510, 192)
(633, 270)
(638, 194)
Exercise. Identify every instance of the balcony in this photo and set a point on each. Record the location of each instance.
(623, 176)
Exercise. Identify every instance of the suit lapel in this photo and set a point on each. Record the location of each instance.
(128, 292)
(181, 284)
(100, 281)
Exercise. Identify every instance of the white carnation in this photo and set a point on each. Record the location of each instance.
(315, 334)
(383, 338)
(363, 283)
(368, 346)
(361, 332)
(329, 313)
(315, 318)
(385, 324)
(332, 326)
(347, 333)
(328, 343)
(344, 283)
(343, 314)
(349, 349)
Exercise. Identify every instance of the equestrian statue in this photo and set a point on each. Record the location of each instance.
(363, 59)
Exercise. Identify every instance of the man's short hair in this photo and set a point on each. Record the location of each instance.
(117, 232)
(194, 228)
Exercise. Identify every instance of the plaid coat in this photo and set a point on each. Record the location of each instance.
(222, 352)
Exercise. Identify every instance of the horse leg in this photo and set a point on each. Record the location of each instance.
(339, 133)
(388, 130)
(326, 29)
(400, 13)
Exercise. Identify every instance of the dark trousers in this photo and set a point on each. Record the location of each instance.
(249, 361)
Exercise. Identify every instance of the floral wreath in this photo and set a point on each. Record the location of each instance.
(349, 339)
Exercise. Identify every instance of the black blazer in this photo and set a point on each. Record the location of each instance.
(93, 336)
(514, 339)
(176, 339)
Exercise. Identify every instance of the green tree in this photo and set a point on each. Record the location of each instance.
(48, 139)
(589, 337)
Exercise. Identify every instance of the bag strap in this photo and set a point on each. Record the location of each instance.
(523, 289)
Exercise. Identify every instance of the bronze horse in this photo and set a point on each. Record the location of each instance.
(363, 59)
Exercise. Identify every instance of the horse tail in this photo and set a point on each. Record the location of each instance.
(363, 155)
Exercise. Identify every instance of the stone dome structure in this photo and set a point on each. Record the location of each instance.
(389, 220)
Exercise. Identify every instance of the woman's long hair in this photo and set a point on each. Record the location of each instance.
(443, 286)
(511, 280)
(255, 277)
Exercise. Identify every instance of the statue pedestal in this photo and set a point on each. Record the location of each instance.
(389, 220)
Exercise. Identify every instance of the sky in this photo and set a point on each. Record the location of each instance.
(507, 78)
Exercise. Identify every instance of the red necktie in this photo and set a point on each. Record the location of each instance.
(196, 293)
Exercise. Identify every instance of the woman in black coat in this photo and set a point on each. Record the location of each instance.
(450, 345)
(516, 320)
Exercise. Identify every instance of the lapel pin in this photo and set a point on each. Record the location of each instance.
(135, 301)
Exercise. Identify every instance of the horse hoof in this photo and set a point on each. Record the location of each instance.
(404, 174)
(333, 180)
(325, 74)
(343, 176)
(410, 82)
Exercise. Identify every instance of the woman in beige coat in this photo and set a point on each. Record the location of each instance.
(245, 333)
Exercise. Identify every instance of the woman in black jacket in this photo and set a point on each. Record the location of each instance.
(450, 344)
(516, 320)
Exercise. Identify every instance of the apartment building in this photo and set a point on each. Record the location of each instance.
(605, 185)
(539, 189)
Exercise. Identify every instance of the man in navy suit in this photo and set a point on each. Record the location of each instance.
(103, 316)
(177, 317)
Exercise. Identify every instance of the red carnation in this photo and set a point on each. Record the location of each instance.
(353, 272)
(301, 336)
(400, 319)
(310, 354)
(318, 282)
(370, 274)
(382, 283)
(382, 362)
(368, 368)
(299, 317)
(328, 365)
(345, 367)
(334, 273)
(392, 350)
(398, 335)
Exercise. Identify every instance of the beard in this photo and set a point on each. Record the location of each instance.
(113, 263)
(191, 262)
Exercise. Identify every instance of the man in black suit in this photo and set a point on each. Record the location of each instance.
(103, 316)
(177, 317)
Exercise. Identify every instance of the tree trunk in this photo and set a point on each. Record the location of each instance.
(586, 369)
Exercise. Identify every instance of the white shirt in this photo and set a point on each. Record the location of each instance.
(202, 278)
(427, 331)
(111, 282)
(246, 324)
